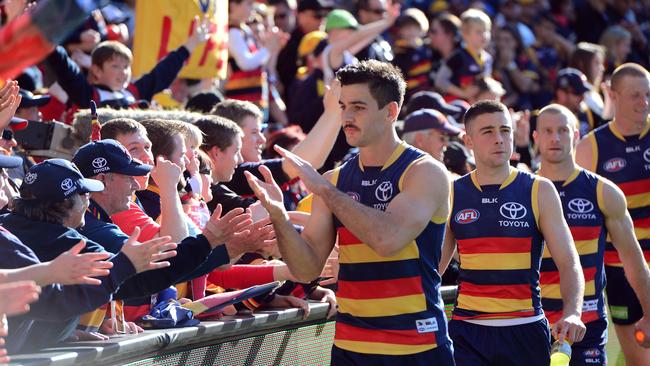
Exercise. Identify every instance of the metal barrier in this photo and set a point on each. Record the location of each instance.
(280, 337)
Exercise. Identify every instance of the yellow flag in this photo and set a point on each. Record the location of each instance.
(164, 25)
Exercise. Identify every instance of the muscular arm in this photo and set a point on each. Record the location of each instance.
(306, 253)
(620, 228)
(584, 153)
(388, 232)
(560, 243)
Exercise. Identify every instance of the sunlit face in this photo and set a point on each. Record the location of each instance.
(225, 161)
(253, 140)
(363, 121)
(76, 214)
(433, 142)
(490, 135)
(139, 147)
(119, 188)
(570, 99)
(178, 156)
(555, 137)
(477, 36)
(114, 73)
(631, 99)
(597, 67)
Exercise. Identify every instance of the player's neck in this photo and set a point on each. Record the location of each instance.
(629, 128)
(492, 175)
(378, 153)
(557, 172)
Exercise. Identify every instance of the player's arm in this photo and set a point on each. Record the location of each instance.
(584, 152)
(448, 250)
(388, 232)
(560, 243)
(305, 253)
(621, 229)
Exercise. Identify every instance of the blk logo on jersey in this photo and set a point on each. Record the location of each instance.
(614, 165)
(384, 191)
(580, 209)
(513, 211)
(467, 216)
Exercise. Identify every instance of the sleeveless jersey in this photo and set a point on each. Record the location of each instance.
(500, 247)
(582, 200)
(388, 305)
(247, 85)
(626, 162)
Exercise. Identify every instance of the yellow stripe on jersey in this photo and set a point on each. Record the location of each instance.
(383, 307)
(582, 246)
(594, 152)
(400, 183)
(382, 348)
(642, 233)
(243, 82)
(492, 304)
(638, 200)
(600, 196)
(361, 253)
(534, 200)
(495, 261)
(552, 291)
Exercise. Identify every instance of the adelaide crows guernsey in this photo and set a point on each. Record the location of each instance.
(388, 305)
(500, 247)
(582, 199)
(625, 160)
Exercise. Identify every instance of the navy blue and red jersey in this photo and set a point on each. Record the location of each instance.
(246, 85)
(500, 247)
(467, 67)
(625, 160)
(416, 64)
(388, 305)
(582, 201)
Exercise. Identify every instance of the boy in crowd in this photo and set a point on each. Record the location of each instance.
(412, 56)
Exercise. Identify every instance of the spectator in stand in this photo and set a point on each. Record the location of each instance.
(284, 14)
(54, 198)
(488, 89)
(589, 58)
(369, 11)
(248, 60)
(110, 73)
(617, 43)
(309, 18)
(412, 56)
(514, 69)
(444, 36)
(429, 131)
(570, 89)
(456, 76)
(548, 53)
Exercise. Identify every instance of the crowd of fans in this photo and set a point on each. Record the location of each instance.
(160, 205)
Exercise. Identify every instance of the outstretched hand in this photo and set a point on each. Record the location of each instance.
(221, 230)
(71, 267)
(15, 297)
(150, 254)
(267, 192)
(296, 166)
(200, 34)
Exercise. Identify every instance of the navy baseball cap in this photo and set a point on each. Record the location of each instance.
(107, 156)
(574, 79)
(30, 99)
(433, 100)
(55, 180)
(425, 119)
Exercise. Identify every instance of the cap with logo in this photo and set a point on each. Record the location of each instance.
(107, 156)
(425, 119)
(55, 180)
(573, 79)
(340, 19)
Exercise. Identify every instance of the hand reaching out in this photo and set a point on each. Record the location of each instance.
(9, 102)
(73, 268)
(150, 254)
(15, 297)
(267, 192)
(200, 34)
(220, 230)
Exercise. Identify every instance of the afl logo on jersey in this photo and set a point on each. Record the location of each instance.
(467, 216)
(384, 191)
(614, 165)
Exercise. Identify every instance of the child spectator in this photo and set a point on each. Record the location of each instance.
(617, 42)
(456, 76)
(412, 56)
(109, 81)
(589, 58)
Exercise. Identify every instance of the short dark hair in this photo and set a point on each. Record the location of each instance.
(217, 131)
(449, 23)
(481, 108)
(236, 110)
(628, 69)
(121, 126)
(108, 50)
(385, 81)
(42, 211)
(161, 132)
